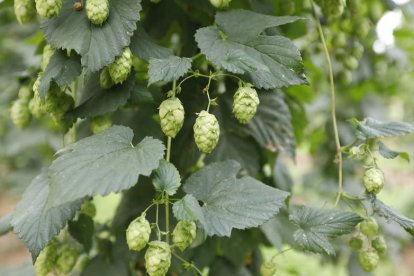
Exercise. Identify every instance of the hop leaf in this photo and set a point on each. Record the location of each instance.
(120, 68)
(48, 8)
(101, 123)
(105, 80)
(171, 113)
(369, 227)
(158, 258)
(245, 104)
(373, 180)
(368, 259)
(268, 268)
(46, 260)
(184, 234)
(97, 11)
(206, 132)
(67, 258)
(20, 113)
(138, 233)
(219, 4)
(48, 52)
(379, 244)
(25, 10)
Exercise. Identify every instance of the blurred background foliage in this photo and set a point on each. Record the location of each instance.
(373, 50)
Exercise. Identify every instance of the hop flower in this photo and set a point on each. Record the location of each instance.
(158, 258)
(105, 79)
(48, 52)
(206, 132)
(369, 227)
(20, 113)
(184, 233)
(97, 11)
(332, 8)
(25, 93)
(138, 233)
(36, 107)
(373, 180)
(356, 242)
(379, 244)
(48, 8)
(245, 104)
(268, 268)
(57, 102)
(101, 123)
(88, 208)
(25, 10)
(46, 260)
(120, 68)
(368, 259)
(172, 116)
(219, 4)
(67, 258)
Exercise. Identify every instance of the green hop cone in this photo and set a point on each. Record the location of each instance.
(67, 258)
(20, 113)
(57, 102)
(245, 103)
(105, 80)
(48, 52)
(25, 10)
(46, 260)
(184, 234)
(101, 123)
(158, 258)
(97, 11)
(121, 67)
(36, 106)
(219, 4)
(379, 244)
(171, 113)
(268, 268)
(368, 259)
(287, 7)
(373, 180)
(25, 93)
(206, 132)
(369, 227)
(138, 233)
(48, 8)
(332, 8)
(88, 208)
(357, 242)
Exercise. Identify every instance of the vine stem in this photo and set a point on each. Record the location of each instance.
(185, 261)
(338, 158)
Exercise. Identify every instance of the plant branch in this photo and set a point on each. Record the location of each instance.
(187, 262)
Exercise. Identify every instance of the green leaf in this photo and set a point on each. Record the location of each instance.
(239, 46)
(317, 226)
(82, 230)
(5, 225)
(102, 266)
(103, 163)
(188, 209)
(98, 101)
(143, 47)
(33, 222)
(167, 178)
(230, 202)
(62, 68)
(391, 214)
(372, 128)
(98, 45)
(391, 154)
(168, 69)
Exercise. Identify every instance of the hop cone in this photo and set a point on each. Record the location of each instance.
(369, 227)
(245, 104)
(36, 106)
(171, 116)
(105, 80)
(67, 258)
(379, 244)
(20, 113)
(46, 260)
(158, 258)
(138, 233)
(120, 68)
(97, 11)
(88, 208)
(25, 93)
(332, 8)
(48, 8)
(48, 52)
(101, 123)
(25, 10)
(373, 180)
(206, 132)
(356, 242)
(184, 233)
(219, 4)
(57, 102)
(368, 259)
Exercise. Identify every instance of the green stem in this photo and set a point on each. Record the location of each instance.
(207, 91)
(338, 158)
(196, 56)
(185, 261)
(167, 219)
(156, 222)
(168, 154)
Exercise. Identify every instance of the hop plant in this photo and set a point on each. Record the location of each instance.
(25, 10)
(101, 123)
(356, 242)
(332, 8)
(206, 132)
(158, 258)
(46, 260)
(36, 106)
(373, 180)
(48, 52)
(245, 104)
(105, 80)
(171, 113)
(369, 227)
(57, 102)
(48, 8)
(184, 234)
(67, 258)
(121, 67)
(97, 11)
(368, 259)
(25, 93)
(138, 233)
(219, 4)
(268, 268)
(379, 244)
(88, 208)
(20, 113)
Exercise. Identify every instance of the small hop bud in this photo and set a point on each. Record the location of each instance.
(20, 113)
(25, 10)
(268, 268)
(379, 244)
(67, 258)
(219, 4)
(368, 259)
(138, 233)
(97, 11)
(46, 260)
(356, 242)
(105, 79)
(48, 8)
(184, 234)
(158, 258)
(369, 227)
(245, 104)
(373, 180)
(48, 52)
(101, 123)
(88, 209)
(171, 113)
(356, 153)
(121, 67)
(206, 132)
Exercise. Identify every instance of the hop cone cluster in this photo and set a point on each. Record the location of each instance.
(97, 11)
(48, 8)
(171, 113)
(206, 132)
(245, 104)
(101, 123)
(368, 259)
(219, 4)
(48, 52)
(373, 180)
(120, 68)
(57, 102)
(138, 233)
(25, 10)
(369, 227)
(105, 79)
(67, 258)
(184, 234)
(20, 113)
(158, 258)
(379, 244)
(331, 8)
(46, 260)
